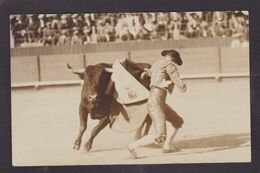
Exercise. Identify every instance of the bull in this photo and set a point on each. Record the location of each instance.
(97, 97)
(98, 101)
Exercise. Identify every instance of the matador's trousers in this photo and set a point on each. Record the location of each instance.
(159, 111)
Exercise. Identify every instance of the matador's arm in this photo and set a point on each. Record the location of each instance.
(171, 70)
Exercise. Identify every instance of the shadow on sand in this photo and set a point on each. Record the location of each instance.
(102, 150)
(201, 145)
(211, 143)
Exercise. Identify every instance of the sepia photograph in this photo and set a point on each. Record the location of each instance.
(130, 88)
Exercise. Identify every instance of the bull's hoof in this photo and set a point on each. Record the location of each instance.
(77, 144)
(88, 146)
(111, 121)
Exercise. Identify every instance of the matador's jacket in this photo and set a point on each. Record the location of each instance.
(164, 76)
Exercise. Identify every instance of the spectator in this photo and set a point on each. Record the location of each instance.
(63, 24)
(193, 25)
(207, 16)
(183, 23)
(174, 26)
(136, 27)
(126, 35)
(87, 20)
(109, 32)
(233, 24)
(144, 33)
(141, 19)
(92, 28)
(76, 39)
(149, 28)
(86, 34)
(121, 24)
(32, 26)
(241, 40)
(75, 22)
(55, 22)
(40, 28)
(244, 40)
(161, 27)
(48, 35)
(219, 17)
(19, 28)
(100, 31)
(205, 32)
(63, 38)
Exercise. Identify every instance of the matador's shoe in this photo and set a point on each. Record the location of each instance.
(132, 152)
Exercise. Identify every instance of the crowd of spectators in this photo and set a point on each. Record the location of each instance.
(71, 29)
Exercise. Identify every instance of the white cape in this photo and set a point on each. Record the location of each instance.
(128, 88)
(132, 95)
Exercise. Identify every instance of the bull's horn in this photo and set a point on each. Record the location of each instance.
(75, 71)
(82, 70)
(109, 70)
(69, 67)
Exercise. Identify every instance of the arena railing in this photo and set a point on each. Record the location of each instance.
(216, 76)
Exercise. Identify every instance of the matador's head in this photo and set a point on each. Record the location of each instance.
(176, 58)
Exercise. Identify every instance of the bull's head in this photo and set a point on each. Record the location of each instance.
(96, 82)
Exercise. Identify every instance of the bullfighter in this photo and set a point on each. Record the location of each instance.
(164, 75)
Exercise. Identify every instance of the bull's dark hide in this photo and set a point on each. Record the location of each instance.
(96, 82)
(98, 93)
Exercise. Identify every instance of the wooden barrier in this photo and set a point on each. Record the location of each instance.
(146, 56)
(234, 60)
(195, 61)
(24, 69)
(198, 63)
(107, 57)
(54, 67)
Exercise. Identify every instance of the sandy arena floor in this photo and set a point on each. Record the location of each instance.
(217, 128)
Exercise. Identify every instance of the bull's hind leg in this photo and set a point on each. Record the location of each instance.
(103, 122)
(83, 115)
(147, 124)
(148, 120)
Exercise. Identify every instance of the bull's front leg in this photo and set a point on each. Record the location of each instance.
(103, 122)
(83, 116)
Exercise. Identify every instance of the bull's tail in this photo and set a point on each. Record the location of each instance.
(80, 72)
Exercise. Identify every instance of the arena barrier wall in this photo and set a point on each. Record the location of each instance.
(195, 61)
(24, 69)
(54, 67)
(234, 60)
(212, 62)
(106, 57)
